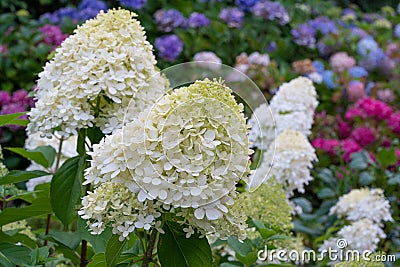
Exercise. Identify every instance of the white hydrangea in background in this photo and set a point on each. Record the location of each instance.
(292, 108)
(187, 152)
(363, 203)
(68, 150)
(208, 56)
(106, 60)
(362, 235)
(293, 156)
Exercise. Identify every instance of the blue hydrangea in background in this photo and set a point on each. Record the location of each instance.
(319, 66)
(329, 79)
(304, 35)
(397, 31)
(366, 45)
(323, 25)
(358, 72)
(135, 4)
(246, 5)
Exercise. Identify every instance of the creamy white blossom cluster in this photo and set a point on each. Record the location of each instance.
(183, 155)
(361, 235)
(68, 150)
(292, 108)
(106, 60)
(363, 203)
(293, 156)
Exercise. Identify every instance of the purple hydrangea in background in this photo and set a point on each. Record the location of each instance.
(58, 16)
(5, 97)
(271, 47)
(92, 4)
(328, 78)
(3, 49)
(358, 72)
(378, 60)
(359, 32)
(397, 31)
(87, 9)
(53, 35)
(168, 20)
(323, 25)
(232, 16)
(371, 17)
(197, 20)
(135, 4)
(271, 11)
(169, 47)
(246, 5)
(366, 45)
(304, 35)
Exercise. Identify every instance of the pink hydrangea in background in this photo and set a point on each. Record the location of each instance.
(341, 61)
(394, 122)
(344, 129)
(19, 101)
(3, 49)
(53, 35)
(356, 90)
(349, 147)
(352, 113)
(328, 145)
(375, 108)
(363, 136)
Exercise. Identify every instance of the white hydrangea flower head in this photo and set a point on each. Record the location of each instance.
(106, 60)
(68, 150)
(292, 108)
(363, 203)
(362, 235)
(262, 131)
(293, 156)
(3, 168)
(188, 152)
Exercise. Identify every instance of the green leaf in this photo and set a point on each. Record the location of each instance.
(4, 261)
(16, 176)
(386, 157)
(39, 255)
(242, 248)
(40, 206)
(68, 239)
(65, 188)
(17, 238)
(249, 259)
(43, 155)
(98, 260)
(174, 249)
(326, 193)
(366, 178)
(19, 255)
(114, 250)
(394, 180)
(359, 160)
(278, 237)
(9, 119)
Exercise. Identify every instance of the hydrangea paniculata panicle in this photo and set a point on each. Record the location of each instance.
(187, 152)
(106, 60)
(292, 108)
(293, 156)
(363, 203)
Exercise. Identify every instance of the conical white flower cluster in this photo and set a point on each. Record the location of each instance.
(292, 157)
(292, 108)
(366, 209)
(363, 203)
(183, 155)
(105, 61)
